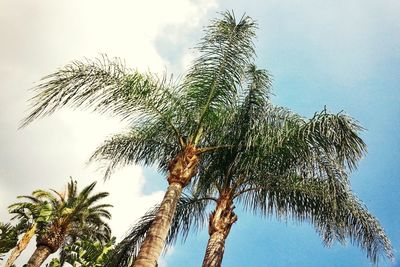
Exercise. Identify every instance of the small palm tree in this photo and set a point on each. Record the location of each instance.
(65, 217)
(299, 172)
(172, 124)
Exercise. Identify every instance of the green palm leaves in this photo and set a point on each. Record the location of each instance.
(87, 253)
(61, 218)
(212, 81)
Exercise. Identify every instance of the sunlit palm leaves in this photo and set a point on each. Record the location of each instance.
(62, 218)
(86, 253)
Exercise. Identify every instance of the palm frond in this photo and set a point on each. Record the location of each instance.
(350, 220)
(336, 213)
(148, 145)
(212, 81)
(105, 85)
(337, 135)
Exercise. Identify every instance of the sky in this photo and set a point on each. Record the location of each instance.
(342, 54)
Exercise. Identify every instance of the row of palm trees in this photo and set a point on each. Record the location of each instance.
(216, 136)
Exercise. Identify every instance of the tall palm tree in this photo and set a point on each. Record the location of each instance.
(172, 124)
(67, 216)
(299, 172)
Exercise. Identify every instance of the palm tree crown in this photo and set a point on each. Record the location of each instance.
(62, 218)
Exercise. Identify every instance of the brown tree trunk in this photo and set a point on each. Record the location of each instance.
(221, 221)
(181, 170)
(22, 244)
(153, 244)
(48, 243)
(215, 250)
(39, 256)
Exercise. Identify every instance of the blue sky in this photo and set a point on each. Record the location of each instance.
(345, 55)
(342, 54)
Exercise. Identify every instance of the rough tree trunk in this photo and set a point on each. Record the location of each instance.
(181, 170)
(221, 221)
(39, 256)
(22, 244)
(48, 244)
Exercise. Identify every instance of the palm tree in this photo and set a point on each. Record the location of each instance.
(67, 217)
(299, 172)
(172, 124)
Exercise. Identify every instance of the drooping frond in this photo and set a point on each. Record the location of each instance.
(363, 229)
(106, 86)
(337, 135)
(149, 144)
(285, 141)
(291, 139)
(36, 209)
(336, 215)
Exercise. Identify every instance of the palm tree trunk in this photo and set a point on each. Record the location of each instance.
(22, 244)
(221, 221)
(153, 244)
(215, 250)
(181, 170)
(39, 256)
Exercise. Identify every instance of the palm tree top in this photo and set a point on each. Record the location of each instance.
(48, 207)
